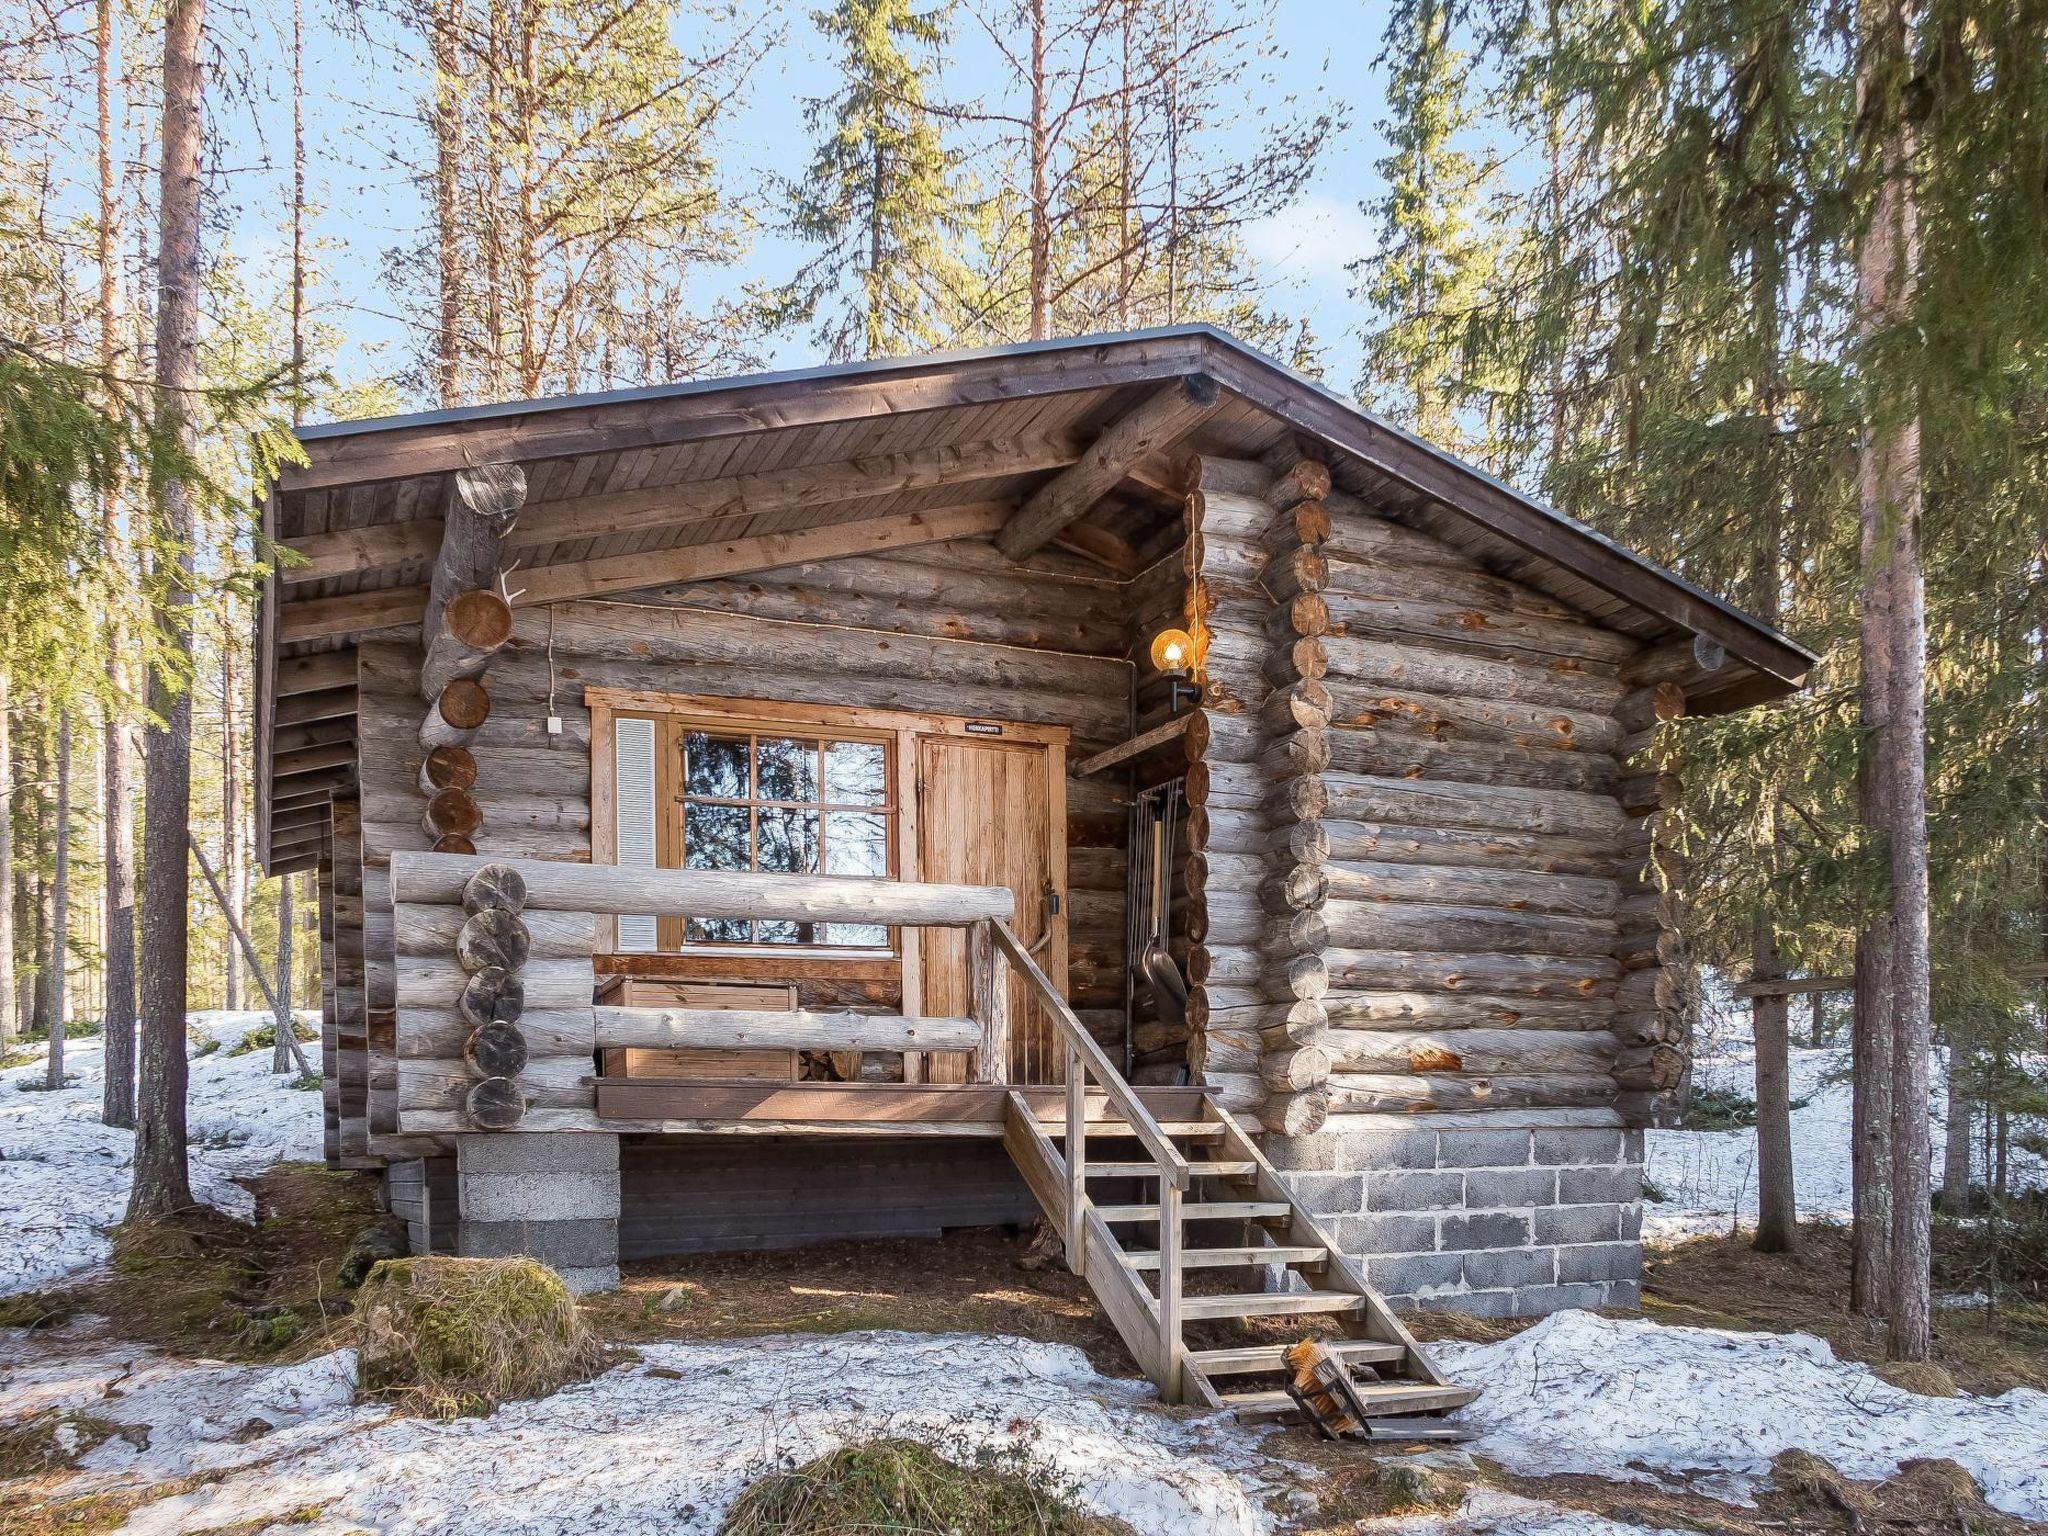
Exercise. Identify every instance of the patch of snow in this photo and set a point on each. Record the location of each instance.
(1710, 1408)
(1490, 1512)
(661, 1445)
(64, 1176)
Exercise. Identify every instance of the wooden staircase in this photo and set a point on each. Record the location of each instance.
(1206, 1205)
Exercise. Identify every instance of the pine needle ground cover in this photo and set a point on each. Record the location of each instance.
(454, 1336)
(906, 1488)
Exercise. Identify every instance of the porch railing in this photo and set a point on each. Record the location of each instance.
(487, 946)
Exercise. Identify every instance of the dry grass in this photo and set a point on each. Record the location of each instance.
(906, 1488)
(1721, 1282)
(447, 1337)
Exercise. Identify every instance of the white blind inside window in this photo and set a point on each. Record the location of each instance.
(633, 772)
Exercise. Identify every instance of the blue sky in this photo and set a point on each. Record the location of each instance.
(363, 80)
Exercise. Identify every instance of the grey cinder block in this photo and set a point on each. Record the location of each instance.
(1600, 1261)
(1414, 1190)
(1542, 1300)
(1408, 1274)
(538, 1152)
(1595, 1186)
(1386, 1234)
(1329, 1194)
(561, 1244)
(1486, 1229)
(1482, 1149)
(538, 1196)
(1562, 1148)
(584, 1281)
(1579, 1224)
(1509, 1188)
(1510, 1268)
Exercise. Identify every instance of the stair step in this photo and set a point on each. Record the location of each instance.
(1175, 1130)
(1252, 1358)
(1226, 1258)
(1218, 1169)
(1381, 1397)
(1201, 1210)
(1271, 1304)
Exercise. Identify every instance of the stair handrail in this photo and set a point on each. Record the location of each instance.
(1075, 1037)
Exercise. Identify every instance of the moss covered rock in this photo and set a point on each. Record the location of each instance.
(455, 1336)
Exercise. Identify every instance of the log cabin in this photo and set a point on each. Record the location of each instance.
(1112, 781)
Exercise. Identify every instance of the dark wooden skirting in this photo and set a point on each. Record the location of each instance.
(712, 1195)
(885, 1109)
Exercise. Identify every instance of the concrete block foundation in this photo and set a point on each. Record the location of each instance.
(553, 1195)
(1494, 1220)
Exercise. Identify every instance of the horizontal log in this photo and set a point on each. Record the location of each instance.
(1386, 1009)
(425, 1034)
(1371, 1093)
(1371, 576)
(1300, 1113)
(445, 767)
(1650, 1069)
(1486, 807)
(430, 982)
(1569, 684)
(1234, 1091)
(1795, 986)
(1449, 717)
(612, 889)
(1441, 926)
(1476, 630)
(1403, 754)
(1513, 1052)
(558, 1082)
(1294, 1068)
(1491, 974)
(432, 930)
(751, 1029)
(1459, 885)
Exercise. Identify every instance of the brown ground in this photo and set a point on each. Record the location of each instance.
(208, 1287)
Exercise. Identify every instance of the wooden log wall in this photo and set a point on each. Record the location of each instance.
(1159, 1047)
(908, 652)
(1430, 837)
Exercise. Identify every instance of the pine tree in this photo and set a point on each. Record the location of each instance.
(882, 196)
(1436, 262)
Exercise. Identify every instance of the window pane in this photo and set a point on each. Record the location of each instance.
(856, 843)
(780, 932)
(856, 772)
(715, 765)
(854, 935)
(717, 930)
(715, 836)
(789, 840)
(788, 768)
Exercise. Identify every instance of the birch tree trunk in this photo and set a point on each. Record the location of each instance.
(162, 1178)
(60, 906)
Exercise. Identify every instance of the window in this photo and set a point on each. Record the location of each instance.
(696, 793)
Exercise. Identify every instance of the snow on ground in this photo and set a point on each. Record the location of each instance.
(1490, 1512)
(1710, 1408)
(64, 1176)
(1706, 1177)
(661, 1445)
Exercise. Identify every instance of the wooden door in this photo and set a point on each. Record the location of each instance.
(994, 813)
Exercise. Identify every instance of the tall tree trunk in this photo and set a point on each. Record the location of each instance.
(1040, 152)
(60, 906)
(10, 1025)
(232, 870)
(1777, 1216)
(46, 849)
(162, 1178)
(281, 1049)
(1895, 629)
(117, 756)
(1955, 1155)
(445, 26)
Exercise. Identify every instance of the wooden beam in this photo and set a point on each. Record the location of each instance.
(306, 708)
(441, 441)
(396, 606)
(316, 733)
(1161, 734)
(1158, 422)
(326, 780)
(348, 551)
(1794, 987)
(316, 673)
(749, 1029)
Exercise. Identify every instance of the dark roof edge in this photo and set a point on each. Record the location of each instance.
(1244, 368)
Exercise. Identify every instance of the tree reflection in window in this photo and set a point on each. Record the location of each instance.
(785, 805)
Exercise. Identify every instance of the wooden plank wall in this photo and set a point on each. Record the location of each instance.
(1425, 841)
(952, 629)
